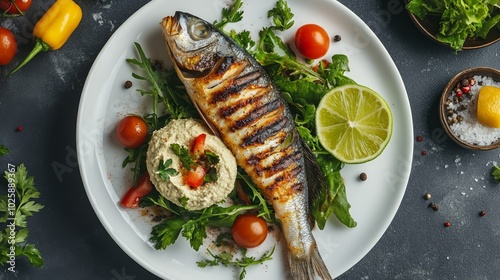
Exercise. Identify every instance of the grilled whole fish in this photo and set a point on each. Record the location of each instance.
(240, 103)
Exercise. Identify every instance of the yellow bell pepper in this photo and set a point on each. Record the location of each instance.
(54, 28)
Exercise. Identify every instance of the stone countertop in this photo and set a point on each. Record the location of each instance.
(44, 100)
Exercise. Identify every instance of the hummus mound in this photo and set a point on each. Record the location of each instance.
(183, 132)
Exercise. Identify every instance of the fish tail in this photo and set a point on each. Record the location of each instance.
(309, 267)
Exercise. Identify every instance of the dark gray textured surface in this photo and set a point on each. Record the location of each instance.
(44, 97)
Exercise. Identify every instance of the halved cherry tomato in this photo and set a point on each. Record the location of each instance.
(8, 46)
(195, 177)
(199, 145)
(132, 131)
(15, 6)
(312, 41)
(134, 194)
(249, 230)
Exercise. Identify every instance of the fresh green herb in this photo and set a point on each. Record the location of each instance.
(231, 14)
(212, 158)
(16, 206)
(136, 156)
(184, 155)
(167, 92)
(192, 224)
(3, 150)
(211, 175)
(459, 19)
(282, 16)
(165, 171)
(164, 88)
(226, 259)
(495, 173)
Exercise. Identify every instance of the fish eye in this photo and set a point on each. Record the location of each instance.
(200, 30)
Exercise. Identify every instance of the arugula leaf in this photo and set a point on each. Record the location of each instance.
(165, 171)
(245, 261)
(14, 218)
(3, 150)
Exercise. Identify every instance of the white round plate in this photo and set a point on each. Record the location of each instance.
(105, 101)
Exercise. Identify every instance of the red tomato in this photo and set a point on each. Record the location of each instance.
(199, 145)
(15, 6)
(195, 177)
(8, 46)
(312, 41)
(134, 194)
(249, 231)
(132, 131)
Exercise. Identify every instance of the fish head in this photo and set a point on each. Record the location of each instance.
(191, 43)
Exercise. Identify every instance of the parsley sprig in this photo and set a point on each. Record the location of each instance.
(3, 150)
(231, 14)
(165, 171)
(25, 206)
(227, 259)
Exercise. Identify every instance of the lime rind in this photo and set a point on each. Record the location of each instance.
(348, 126)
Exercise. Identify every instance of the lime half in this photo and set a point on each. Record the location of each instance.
(353, 123)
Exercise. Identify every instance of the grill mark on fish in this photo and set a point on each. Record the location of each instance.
(259, 136)
(289, 159)
(256, 114)
(227, 111)
(225, 64)
(284, 178)
(238, 84)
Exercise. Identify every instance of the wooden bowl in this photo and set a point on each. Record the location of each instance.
(430, 27)
(466, 74)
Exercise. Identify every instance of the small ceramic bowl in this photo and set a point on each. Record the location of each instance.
(466, 74)
(430, 27)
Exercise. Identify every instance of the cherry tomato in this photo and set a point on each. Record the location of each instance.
(195, 177)
(134, 194)
(312, 41)
(199, 145)
(15, 6)
(8, 46)
(132, 131)
(249, 231)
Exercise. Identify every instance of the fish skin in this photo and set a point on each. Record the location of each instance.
(241, 104)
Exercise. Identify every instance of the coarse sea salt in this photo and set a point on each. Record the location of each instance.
(469, 129)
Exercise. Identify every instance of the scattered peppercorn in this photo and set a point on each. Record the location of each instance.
(19, 128)
(434, 206)
(447, 224)
(420, 138)
(427, 196)
(128, 84)
(482, 213)
(424, 153)
(337, 38)
(363, 176)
